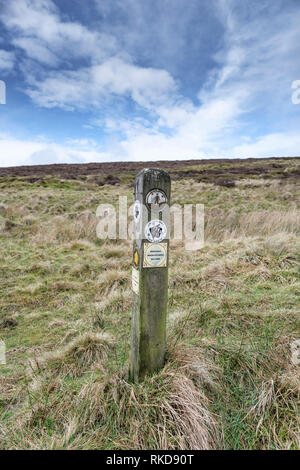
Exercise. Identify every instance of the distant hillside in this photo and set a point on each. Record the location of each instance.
(218, 171)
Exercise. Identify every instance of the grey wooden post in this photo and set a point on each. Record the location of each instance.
(150, 272)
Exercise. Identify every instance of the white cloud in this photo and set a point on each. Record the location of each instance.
(142, 147)
(260, 50)
(16, 152)
(7, 60)
(280, 145)
(89, 86)
(46, 38)
(36, 50)
(247, 77)
(255, 66)
(82, 143)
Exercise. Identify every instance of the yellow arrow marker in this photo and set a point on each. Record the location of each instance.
(136, 258)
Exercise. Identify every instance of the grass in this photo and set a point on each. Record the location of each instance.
(229, 381)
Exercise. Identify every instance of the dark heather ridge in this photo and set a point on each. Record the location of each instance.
(222, 172)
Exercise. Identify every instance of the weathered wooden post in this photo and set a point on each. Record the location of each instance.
(150, 271)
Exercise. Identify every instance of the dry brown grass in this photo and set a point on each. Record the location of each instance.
(168, 411)
(221, 226)
(229, 381)
(75, 357)
(276, 411)
(63, 229)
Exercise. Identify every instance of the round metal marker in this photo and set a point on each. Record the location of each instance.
(155, 231)
(156, 200)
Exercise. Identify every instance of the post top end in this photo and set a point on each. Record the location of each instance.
(153, 171)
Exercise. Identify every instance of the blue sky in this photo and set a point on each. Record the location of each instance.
(109, 80)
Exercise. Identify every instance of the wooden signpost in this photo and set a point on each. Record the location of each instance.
(150, 272)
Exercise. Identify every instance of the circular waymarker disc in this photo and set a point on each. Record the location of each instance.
(156, 200)
(155, 231)
(155, 255)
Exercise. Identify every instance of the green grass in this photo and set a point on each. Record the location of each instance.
(229, 381)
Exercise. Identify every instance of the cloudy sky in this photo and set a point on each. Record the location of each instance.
(107, 80)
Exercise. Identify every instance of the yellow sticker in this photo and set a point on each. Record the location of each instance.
(155, 255)
(136, 257)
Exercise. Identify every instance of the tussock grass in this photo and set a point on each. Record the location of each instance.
(167, 411)
(75, 357)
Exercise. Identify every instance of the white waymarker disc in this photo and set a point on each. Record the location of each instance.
(155, 231)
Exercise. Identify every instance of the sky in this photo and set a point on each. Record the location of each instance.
(140, 80)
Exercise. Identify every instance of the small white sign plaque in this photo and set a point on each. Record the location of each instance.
(155, 255)
(135, 281)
